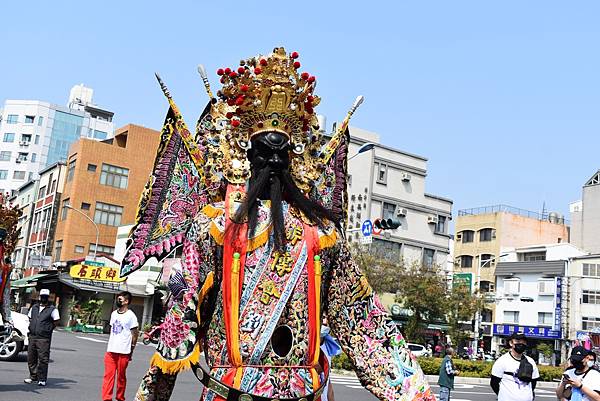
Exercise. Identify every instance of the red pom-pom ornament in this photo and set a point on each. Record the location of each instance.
(257, 70)
(305, 75)
(220, 71)
(235, 123)
(227, 70)
(232, 74)
(263, 62)
(244, 88)
(296, 64)
(294, 55)
(241, 70)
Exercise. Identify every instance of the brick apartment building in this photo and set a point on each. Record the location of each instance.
(104, 181)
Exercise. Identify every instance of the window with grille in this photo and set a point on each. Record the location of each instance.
(466, 261)
(71, 170)
(590, 297)
(65, 209)
(511, 286)
(486, 260)
(511, 316)
(108, 214)
(382, 170)
(589, 323)
(102, 249)
(468, 236)
(388, 210)
(545, 319)
(591, 269)
(114, 176)
(487, 234)
(546, 287)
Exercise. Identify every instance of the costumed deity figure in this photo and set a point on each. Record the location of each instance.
(9, 234)
(257, 199)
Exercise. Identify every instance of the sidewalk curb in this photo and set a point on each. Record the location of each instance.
(432, 379)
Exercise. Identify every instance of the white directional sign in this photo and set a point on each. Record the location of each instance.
(366, 240)
(367, 228)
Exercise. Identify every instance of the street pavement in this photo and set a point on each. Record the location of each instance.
(77, 366)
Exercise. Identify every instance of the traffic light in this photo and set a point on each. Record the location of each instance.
(387, 224)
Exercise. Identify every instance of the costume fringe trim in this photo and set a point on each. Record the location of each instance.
(206, 287)
(217, 234)
(212, 212)
(174, 367)
(328, 240)
(259, 240)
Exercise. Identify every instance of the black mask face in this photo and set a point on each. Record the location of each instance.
(44, 299)
(520, 348)
(271, 179)
(119, 303)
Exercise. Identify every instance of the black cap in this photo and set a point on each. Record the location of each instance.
(517, 335)
(578, 353)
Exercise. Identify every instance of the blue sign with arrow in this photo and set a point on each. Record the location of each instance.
(367, 228)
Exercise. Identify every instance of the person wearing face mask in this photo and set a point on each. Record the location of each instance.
(121, 343)
(514, 374)
(581, 382)
(43, 319)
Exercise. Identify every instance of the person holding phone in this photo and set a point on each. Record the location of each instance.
(580, 382)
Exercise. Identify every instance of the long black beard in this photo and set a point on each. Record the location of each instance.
(276, 187)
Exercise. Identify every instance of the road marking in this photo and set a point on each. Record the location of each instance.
(92, 339)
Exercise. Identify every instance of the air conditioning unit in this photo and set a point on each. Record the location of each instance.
(405, 176)
(401, 212)
(432, 219)
(24, 143)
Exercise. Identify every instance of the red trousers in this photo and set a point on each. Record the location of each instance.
(114, 363)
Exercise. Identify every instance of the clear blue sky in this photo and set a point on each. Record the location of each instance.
(502, 97)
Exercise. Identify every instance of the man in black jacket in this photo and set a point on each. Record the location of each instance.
(43, 318)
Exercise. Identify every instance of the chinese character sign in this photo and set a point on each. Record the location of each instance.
(96, 273)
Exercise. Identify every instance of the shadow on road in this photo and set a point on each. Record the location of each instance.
(55, 383)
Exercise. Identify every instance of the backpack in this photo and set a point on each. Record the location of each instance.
(525, 372)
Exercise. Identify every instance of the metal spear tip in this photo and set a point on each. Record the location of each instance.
(202, 71)
(358, 102)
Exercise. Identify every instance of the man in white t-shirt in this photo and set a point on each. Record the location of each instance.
(581, 382)
(121, 343)
(505, 379)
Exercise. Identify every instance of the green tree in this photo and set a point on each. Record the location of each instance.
(423, 291)
(461, 306)
(382, 273)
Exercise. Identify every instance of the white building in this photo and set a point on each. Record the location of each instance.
(583, 313)
(531, 295)
(389, 183)
(36, 134)
(585, 216)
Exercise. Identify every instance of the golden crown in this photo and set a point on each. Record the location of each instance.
(264, 94)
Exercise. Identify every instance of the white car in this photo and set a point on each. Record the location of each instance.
(418, 349)
(18, 341)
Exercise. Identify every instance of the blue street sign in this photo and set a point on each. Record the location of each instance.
(367, 228)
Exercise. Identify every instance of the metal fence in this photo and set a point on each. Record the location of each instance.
(512, 210)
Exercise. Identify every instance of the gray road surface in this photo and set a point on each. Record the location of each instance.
(77, 367)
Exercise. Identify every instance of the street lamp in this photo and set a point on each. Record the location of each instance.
(93, 222)
(365, 147)
(478, 284)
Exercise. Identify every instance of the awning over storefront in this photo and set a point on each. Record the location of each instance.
(102, 287)
(30, 281)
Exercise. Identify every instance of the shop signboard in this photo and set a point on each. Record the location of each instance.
(96, 273)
